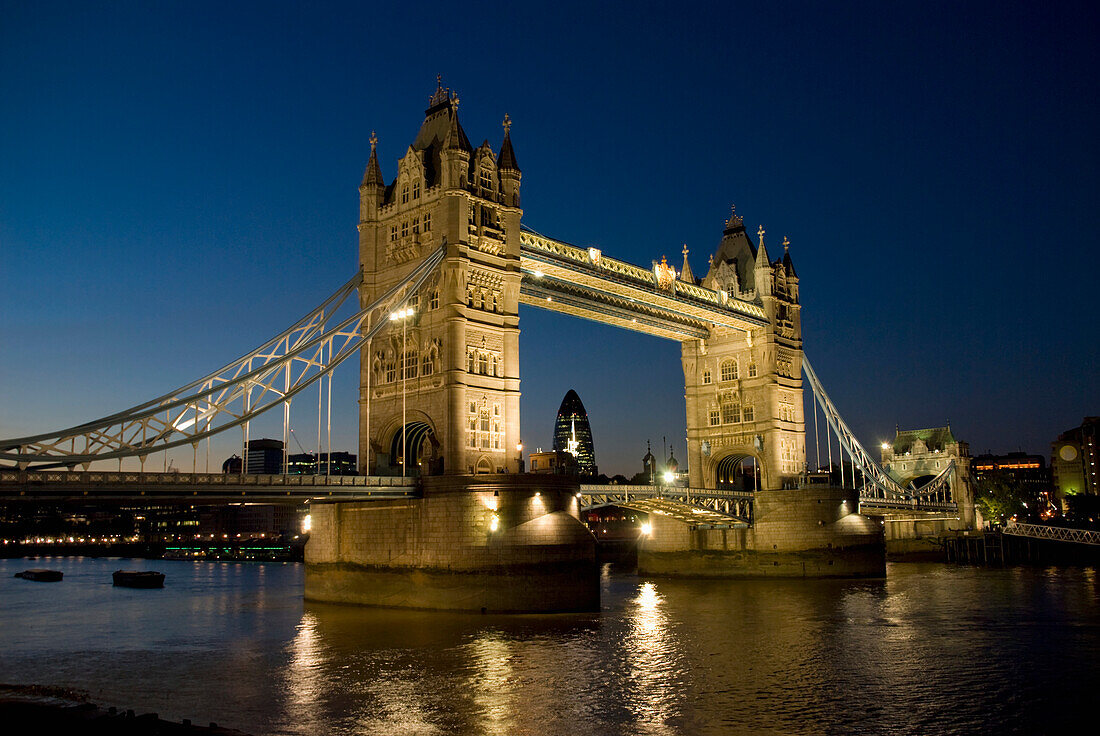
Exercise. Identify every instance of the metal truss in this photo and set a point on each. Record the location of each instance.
(878, 484)
(1057, 533)
(264, 378)
(700, 507)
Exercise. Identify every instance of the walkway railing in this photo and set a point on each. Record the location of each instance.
(1056, 533)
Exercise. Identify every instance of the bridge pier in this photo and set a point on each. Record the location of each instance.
(489, 543)
(804, 532)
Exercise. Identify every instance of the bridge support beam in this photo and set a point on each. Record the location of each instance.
(805, 532)
(490, 543)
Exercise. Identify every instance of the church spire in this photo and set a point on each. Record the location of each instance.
(762, 252)
(685, 273)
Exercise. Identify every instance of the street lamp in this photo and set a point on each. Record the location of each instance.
(403, 315)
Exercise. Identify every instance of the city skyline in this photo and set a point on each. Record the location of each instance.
(172, 201)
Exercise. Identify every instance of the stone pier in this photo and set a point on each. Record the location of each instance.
(805, 532)
(490, 543)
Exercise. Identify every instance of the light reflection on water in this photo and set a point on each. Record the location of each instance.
(933, 649)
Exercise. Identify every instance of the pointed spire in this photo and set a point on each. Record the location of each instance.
(762, 253)
(456, 139)
(685, 274)
(373, 175)
(788, 264)
(507, 155)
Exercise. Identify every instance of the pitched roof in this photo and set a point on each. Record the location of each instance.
(507, 155)
(934, 438)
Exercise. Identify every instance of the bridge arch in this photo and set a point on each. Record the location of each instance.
(736, 470)
(417, 448)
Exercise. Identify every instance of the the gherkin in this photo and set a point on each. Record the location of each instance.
(572, 433)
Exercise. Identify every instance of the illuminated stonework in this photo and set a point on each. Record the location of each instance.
(744, 389)
(456, 362)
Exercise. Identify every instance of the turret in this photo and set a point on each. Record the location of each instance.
(455, 156)
(373, 189)
(510, 174)
(763, 270)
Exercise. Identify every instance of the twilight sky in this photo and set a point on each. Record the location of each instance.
(178, 182)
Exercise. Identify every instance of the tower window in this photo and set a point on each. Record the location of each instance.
(426, 365)
(729, 370)
(748, 413)
(393, 233)
(416, 225)
(752, 370)
(427, 222)
(731, 414)
(405, 228)
(405, 194)
(434, 303)
(715, 418)
(706, 375)
(416, 190)
(486, 179)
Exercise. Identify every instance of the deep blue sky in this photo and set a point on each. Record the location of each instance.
(178, 181)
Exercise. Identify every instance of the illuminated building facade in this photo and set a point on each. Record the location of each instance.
(743, 389)
(1073, 460)
(572, 433)
(457, 352)
(918, 455)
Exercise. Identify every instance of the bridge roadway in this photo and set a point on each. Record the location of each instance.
(197, 488)
(703, 508)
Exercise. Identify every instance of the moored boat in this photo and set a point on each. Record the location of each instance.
(138, 578)
(41, 576)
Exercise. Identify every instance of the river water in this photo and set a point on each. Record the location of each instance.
(932, 649)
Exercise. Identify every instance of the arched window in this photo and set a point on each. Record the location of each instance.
(427, 222)
(405, 194)
(486, 178)
(728, 370)
(427, 367)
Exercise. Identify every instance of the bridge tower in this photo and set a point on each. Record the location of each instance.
(743, 390)
(454, 363)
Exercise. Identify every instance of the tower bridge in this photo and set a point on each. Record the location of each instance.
(444, 265)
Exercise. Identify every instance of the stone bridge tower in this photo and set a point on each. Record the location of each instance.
(744, 390)
(455, 360)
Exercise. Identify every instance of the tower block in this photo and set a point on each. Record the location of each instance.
(455, 358)
(744, 389)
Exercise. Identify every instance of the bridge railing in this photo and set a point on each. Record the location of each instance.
(128, 478)
(1056, 533)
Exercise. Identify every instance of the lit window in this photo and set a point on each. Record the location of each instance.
(729, 370)
(706, 375)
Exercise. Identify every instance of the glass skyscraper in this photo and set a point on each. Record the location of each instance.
(573, 435)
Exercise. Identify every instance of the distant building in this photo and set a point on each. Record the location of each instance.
(1073, 458)
(554, 462)
(573, 434)
(1029, 471)
(343, 463)
(265, 457)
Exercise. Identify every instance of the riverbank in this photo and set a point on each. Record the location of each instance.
(36, 709)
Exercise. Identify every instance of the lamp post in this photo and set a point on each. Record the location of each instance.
(403, 315)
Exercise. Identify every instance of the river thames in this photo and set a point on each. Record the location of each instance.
(932, 649)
